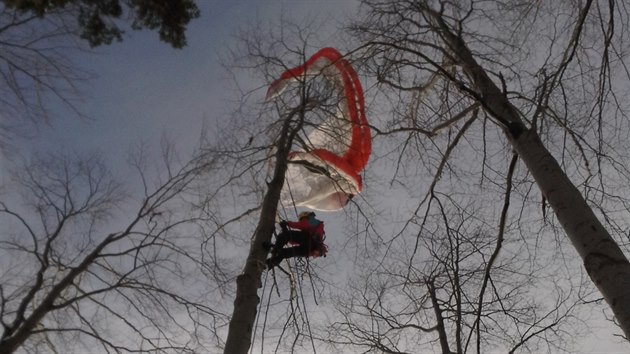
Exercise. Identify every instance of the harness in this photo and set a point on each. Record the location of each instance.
(317, 246)
(319, 251)
(315, 236)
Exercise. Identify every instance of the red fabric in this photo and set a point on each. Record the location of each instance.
(353, 158)
(317, 230)
(340, 163)
(305, 225)
(360, 142)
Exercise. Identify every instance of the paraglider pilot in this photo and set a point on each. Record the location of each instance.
(306, 238)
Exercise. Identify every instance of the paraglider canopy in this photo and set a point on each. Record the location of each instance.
(325, 174)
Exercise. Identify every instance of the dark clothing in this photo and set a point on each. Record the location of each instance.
(306, 241)
(301, 241)
(310, 226)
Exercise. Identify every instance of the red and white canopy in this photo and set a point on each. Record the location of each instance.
(326, 174)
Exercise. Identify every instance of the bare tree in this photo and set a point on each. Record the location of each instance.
(461, 270)
(35, 69)
(87, 266)
(441, 286)
(286, 124)
(248, 283)
(547, 82)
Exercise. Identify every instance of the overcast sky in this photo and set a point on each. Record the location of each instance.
(144, 87)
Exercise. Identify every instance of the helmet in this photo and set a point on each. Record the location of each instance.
(305, 214)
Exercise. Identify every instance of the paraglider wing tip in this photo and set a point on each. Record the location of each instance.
(274, 90)
(278, 85)
(327, 175)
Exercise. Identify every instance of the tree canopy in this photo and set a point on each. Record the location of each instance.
(99, 21)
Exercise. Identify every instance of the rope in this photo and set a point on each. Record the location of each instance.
(308, 322)
(291, 195)
(308, 270)
(262, 341)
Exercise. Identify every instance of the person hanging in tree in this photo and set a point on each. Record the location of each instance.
(305, 236)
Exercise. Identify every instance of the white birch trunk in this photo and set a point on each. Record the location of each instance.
(604, 261)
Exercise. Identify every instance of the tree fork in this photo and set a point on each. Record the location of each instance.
(25, 327)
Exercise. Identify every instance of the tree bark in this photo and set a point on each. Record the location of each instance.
(249, 281)
(441, 329)
(604, 261)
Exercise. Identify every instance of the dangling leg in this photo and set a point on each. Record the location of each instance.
(301, 250)
(289, 252)
(278, 253)
(281, 240)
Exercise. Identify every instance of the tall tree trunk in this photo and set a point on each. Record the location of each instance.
(604, 261)
(249, 281)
